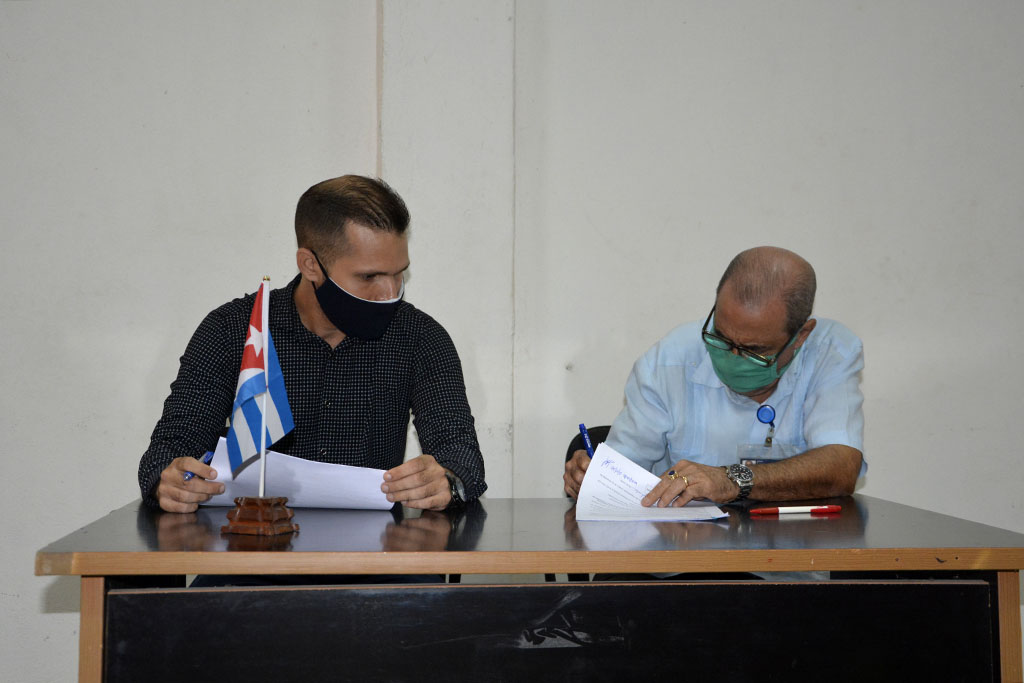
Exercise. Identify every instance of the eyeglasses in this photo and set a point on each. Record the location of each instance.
(719, 342)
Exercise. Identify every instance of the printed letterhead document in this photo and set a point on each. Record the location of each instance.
(614, 486)
(306, 484)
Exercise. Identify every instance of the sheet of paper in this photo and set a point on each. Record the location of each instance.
(614, 486)
(305, 483)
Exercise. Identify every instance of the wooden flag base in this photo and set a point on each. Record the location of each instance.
(260, 517)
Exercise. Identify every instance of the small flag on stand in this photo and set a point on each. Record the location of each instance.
(260, 415)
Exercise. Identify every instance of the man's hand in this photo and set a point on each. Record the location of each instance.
(575, 468)
(177, 495)
(691, 481)
(419, 483)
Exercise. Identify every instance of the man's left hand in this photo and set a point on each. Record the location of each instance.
(418, 483)
(691, 481)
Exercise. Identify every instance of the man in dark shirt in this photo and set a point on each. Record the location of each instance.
(356, 360)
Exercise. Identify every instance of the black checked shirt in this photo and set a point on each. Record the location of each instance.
(350, 404)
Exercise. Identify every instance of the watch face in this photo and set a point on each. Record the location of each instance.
(741, 474)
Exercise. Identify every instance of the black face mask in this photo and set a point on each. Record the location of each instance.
(354, 316)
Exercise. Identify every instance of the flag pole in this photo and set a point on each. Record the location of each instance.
(265, 313)
(252, 515)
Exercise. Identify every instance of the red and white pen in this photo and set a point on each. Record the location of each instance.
(812, 509)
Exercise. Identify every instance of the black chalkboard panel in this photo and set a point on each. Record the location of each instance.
(758, 631)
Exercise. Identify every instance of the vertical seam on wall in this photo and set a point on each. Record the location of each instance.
(380, 87)
(515, 177)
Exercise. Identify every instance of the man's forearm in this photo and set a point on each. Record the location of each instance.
(818, 473)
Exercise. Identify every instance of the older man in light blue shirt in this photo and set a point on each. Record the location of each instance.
(692, 400)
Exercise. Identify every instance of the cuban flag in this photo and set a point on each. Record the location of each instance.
(261, 403)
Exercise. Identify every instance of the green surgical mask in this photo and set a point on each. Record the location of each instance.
(743, 375)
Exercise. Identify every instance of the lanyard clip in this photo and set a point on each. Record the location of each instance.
(766, 415)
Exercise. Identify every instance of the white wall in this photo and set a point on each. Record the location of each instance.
(152, 154)
(579, 174)
(447, 145)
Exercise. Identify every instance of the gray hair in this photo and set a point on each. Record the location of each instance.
(762, 273)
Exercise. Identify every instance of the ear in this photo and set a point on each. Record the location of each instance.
(308, 266)
(804, 332)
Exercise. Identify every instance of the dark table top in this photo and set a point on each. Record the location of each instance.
(509, 536)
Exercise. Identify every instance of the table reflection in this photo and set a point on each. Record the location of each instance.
(188, 532)
(395, 530)
(738, 530)
(428, 532)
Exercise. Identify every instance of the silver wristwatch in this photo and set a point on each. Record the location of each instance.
(743, 477)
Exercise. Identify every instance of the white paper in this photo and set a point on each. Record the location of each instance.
(614, 486)
(305, 483)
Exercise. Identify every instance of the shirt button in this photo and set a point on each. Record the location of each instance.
(327, 404)
(323, 451)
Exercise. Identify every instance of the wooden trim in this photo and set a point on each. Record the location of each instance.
(50, 564)
(527, 562)
(1009, 627)
(90, 640)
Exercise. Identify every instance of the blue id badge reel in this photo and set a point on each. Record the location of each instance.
(768, 451)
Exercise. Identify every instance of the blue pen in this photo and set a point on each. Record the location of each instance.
(586, 440)
(205, 460)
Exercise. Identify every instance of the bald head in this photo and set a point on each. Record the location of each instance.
(758, 275)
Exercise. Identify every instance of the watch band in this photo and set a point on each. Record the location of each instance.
(456, 489)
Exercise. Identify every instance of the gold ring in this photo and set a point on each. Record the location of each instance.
(686, 482)
(672, 475)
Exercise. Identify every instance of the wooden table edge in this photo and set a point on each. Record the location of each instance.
(527, 562)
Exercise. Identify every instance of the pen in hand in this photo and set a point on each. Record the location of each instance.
(206, 459)
(586, 440)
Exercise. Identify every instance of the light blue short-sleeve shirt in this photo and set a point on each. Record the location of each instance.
(677, 408)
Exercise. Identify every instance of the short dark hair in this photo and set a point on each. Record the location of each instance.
(761, 273)
(325, 209)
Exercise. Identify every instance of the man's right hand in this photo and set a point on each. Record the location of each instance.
(177, 495)
(575, 468)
